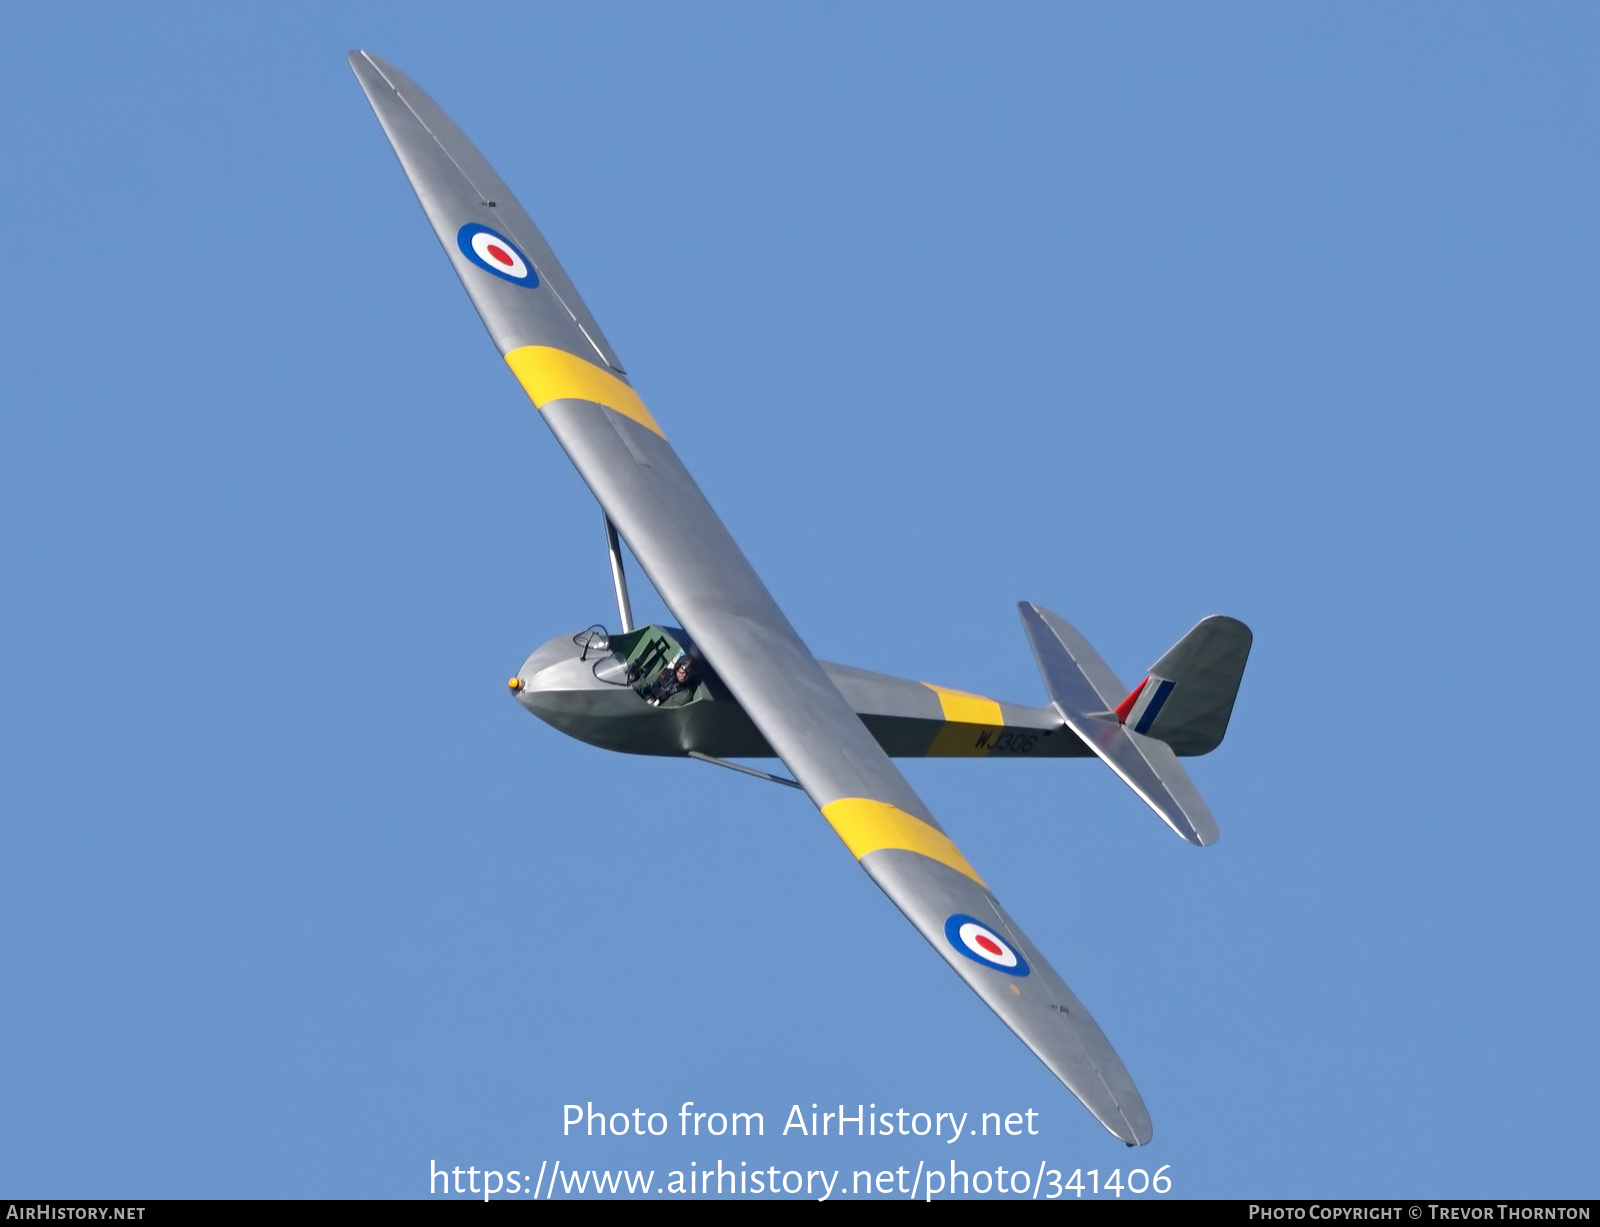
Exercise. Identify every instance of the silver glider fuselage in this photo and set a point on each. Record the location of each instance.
(577, 689)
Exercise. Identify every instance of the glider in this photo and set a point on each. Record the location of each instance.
(735, 680)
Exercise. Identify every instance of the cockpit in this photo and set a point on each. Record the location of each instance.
(655, 661)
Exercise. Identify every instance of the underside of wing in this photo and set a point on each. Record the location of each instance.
(556, 350)
(966, 925)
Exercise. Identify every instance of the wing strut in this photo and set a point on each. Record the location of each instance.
(762, 775)
(614, 547)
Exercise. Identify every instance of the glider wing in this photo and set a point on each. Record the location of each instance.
(562, 360)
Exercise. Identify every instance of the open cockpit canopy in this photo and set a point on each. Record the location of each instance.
(656, 661)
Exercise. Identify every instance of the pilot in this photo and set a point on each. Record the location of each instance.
(673, 683)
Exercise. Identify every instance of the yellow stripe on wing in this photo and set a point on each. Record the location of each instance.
(957, 738)
(548, 374)
(869, 826)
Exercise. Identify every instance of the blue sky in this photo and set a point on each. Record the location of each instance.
(1139, 313)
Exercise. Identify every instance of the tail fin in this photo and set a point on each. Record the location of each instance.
(1187, 699)
(1083, 690)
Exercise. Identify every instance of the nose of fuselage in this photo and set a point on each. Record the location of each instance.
(556, 669)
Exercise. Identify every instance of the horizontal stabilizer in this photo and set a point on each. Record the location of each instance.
(1086, 693)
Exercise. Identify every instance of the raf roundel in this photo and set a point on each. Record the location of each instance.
(983, 945)
(494, 253)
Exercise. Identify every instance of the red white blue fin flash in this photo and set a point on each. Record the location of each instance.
(1140, 709)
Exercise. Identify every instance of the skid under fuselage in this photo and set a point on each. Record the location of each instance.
(565, 683)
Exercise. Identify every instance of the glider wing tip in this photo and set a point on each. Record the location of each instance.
(1135, 1132)
(1129, 1128)
(1201, 836)
(363, 64)
(364, 61)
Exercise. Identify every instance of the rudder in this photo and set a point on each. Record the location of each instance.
(1187, 699)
